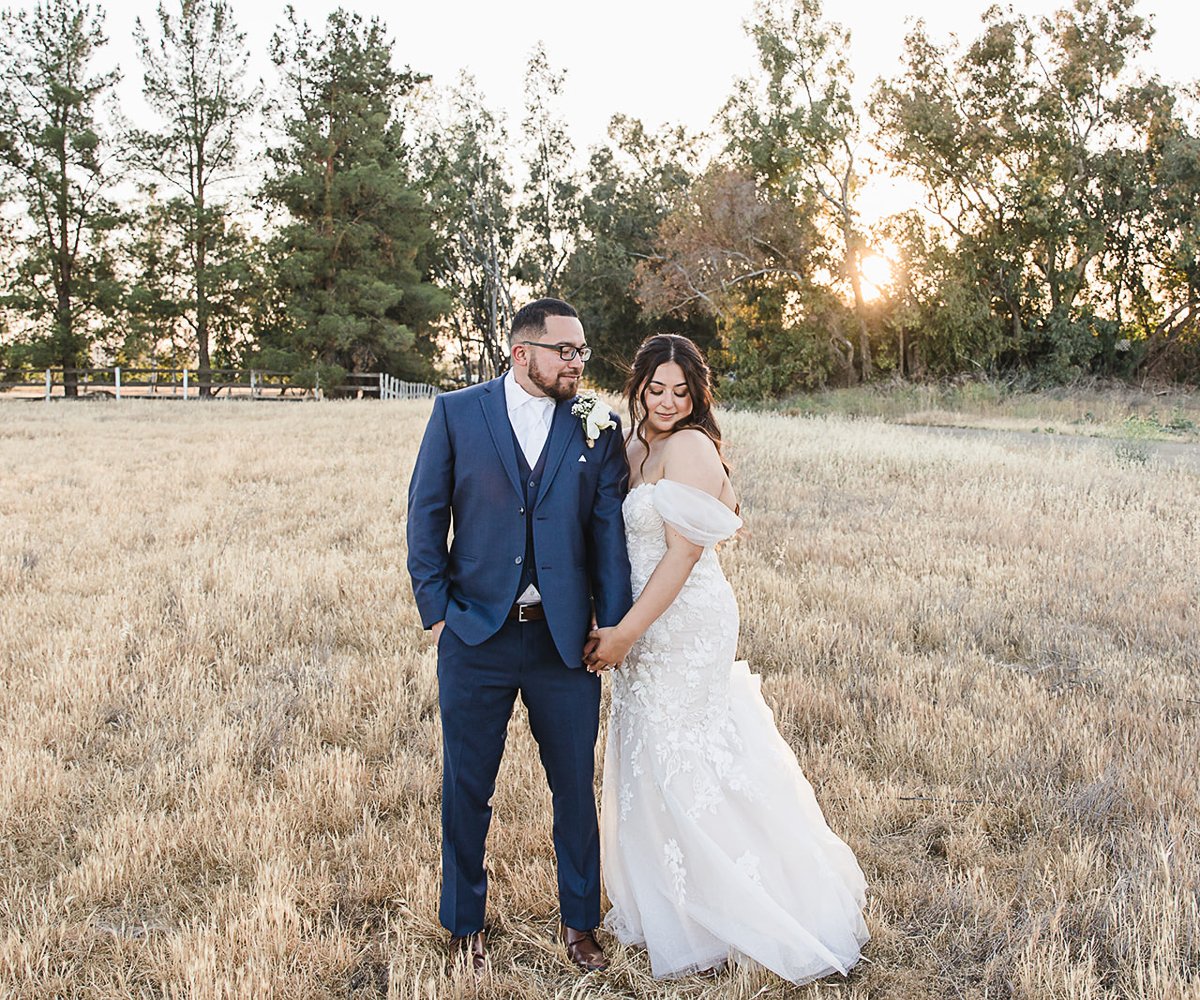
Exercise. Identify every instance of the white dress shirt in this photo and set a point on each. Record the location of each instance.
(530, 417)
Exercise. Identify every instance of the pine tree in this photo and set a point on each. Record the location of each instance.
(193, 70)
(62, 170)
(348, 261)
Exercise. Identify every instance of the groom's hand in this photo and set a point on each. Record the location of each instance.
(589, 656)
(436, 629)
(609, 646)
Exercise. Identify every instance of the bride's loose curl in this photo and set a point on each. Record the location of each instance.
(661, 349)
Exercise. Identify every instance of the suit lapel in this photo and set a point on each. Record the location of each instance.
(495, 416)
(561, 427)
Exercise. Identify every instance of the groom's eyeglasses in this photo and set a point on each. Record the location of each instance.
(565, 351)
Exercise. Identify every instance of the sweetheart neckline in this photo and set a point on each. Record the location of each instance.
(657, 481)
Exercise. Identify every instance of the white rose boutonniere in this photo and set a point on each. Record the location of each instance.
(594, 414)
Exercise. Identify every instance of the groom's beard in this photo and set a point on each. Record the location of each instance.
(560, 388)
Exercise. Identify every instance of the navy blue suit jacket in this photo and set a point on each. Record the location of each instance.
(466, 477)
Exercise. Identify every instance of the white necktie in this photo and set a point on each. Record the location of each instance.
(535, 420)
(534, 427)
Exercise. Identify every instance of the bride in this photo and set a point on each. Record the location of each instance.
(713, 845)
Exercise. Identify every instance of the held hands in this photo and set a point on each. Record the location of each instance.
(589, 650)
(606, 647)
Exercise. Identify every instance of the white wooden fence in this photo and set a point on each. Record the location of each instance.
(393, 388)
(185, 383)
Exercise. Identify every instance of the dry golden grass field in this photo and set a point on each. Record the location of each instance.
(219, 746)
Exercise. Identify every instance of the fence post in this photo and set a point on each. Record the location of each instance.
(117, 377)
(49, 384)
(185, 386)
(382, 386)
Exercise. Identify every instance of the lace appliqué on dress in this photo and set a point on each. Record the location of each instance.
(666, 696)
(713, 844)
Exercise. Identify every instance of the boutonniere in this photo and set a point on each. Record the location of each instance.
(594, 414)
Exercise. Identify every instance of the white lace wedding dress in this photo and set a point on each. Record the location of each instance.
(713, 845)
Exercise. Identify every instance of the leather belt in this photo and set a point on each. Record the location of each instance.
(526, 613)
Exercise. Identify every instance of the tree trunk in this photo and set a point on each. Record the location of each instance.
(860, 305)
(843, 351)
(200, 277)
(62, 313)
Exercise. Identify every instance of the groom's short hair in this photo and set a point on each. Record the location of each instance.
(530, 322)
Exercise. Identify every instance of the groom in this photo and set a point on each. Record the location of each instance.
(538, 551)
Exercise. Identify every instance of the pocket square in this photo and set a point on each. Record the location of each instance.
(582, 459)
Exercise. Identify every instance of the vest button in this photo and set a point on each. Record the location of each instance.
(517, 560)
(521, 511)
(532, 485)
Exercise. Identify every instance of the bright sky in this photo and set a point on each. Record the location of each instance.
(663, 61)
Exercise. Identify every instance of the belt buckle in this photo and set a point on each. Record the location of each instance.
(521, 613)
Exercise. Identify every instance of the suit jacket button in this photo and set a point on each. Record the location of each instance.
(517, 560)
(521, 511)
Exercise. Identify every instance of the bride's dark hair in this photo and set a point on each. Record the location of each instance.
(661, 349)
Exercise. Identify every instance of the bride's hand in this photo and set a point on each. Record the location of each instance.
(611, 645)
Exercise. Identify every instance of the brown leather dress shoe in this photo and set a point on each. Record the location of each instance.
(471, 949)
(582, 949)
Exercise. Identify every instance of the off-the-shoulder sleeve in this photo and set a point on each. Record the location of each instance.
(700, 517)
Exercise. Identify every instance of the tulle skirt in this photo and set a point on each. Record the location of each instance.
(714, 847)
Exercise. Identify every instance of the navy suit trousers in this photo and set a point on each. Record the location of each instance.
(477, 686)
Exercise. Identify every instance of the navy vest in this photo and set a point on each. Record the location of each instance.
(531, 480)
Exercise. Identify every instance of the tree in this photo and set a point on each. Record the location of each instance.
(549, 210)
(1165, 291)
(8, 249)
(936, 306)
(797, 130)
(348, 260)
(473, 257)
(193, 69)
(161, 301)
(747, 256)
(62, 168)
(1023, 146)
(633, 185)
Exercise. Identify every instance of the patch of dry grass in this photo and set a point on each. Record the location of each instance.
(1170, 413)
(219, 733)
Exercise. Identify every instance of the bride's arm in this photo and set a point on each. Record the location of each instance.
(690, 458)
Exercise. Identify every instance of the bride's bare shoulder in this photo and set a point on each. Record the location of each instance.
(692, 443)
(690, 456)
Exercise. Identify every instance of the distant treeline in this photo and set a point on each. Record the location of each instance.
(351, 216)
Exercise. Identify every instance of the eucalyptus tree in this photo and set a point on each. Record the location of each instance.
(1022, 144)
(473, 257)
(633, 185)
(1165, 294)
(61, 168)
(349, 258)
(749, 258)
(797, 130)
(549, 211)
(194, 67)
